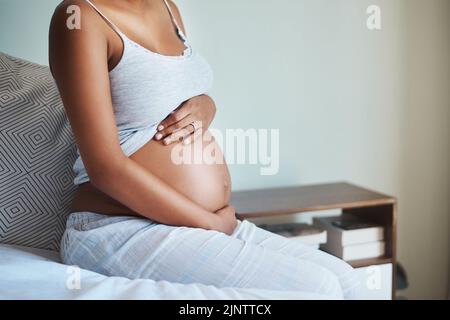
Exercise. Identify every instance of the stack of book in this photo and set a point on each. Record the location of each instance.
(301, 232)
(351, 238)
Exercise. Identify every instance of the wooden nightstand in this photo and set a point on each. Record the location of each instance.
(350, 198)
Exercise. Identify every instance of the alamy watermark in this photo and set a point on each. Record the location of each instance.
(374, 20)
(73, 281)
(374, 278)
(73, 22)
(251, 146)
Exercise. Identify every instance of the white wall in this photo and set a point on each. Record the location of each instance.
(371, 107)
(24, 28)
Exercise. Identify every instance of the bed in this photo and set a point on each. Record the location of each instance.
(35, 274)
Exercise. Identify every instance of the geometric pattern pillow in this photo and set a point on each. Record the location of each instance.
(37, 151)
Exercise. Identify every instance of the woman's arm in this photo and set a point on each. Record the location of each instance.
(79, 63)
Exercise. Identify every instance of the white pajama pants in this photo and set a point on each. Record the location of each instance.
(251, 257)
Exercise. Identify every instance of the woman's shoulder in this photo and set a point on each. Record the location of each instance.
(75, 21)
(74, 31)
(74, 13)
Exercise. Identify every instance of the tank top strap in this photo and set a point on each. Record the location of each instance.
(112, 25)
(175, 22)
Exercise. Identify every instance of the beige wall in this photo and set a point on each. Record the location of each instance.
(371, 107)
(424, 189)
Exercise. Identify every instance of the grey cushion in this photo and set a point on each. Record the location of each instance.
(37, 151)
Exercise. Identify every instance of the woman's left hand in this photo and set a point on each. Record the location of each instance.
(195, 113)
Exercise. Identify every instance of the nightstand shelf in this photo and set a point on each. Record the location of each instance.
(370, 262)
(351, 199)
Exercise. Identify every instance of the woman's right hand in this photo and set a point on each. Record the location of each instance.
(226, 220)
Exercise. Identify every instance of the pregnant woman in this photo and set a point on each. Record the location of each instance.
(136, 94)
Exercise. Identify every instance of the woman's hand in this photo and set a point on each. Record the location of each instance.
(226, 220)
(193, 116)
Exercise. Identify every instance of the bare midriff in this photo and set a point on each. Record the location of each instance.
(198, 171)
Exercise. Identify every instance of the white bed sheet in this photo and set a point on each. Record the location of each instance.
(38, 274)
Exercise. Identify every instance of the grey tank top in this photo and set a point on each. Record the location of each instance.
(146, 87)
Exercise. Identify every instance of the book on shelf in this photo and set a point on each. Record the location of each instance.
(303, 232)
(349, 230)
(367, 250)
(351, 238)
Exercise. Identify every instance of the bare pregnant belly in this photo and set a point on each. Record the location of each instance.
(198, 171)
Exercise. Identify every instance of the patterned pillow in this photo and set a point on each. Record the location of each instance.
(37, 151)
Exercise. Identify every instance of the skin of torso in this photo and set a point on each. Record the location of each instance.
(209, 185)
(206, 184)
